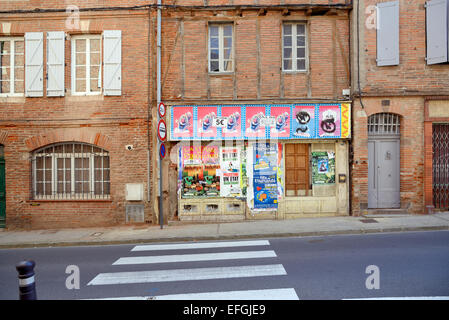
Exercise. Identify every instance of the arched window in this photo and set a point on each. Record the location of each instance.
(384, 124)
(66, 171)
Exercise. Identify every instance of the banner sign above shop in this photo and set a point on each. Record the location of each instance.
(249, 122)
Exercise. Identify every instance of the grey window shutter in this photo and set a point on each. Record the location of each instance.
(437, 31)
(388, 33)
(34, 64)
(112, 71)
(55, 64)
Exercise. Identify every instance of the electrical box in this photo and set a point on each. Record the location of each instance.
(134, 192)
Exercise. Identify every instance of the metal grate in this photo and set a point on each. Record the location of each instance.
(384, 124)
(440, 167)
(70, 171)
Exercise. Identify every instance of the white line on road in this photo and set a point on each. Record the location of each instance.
(196, 257)
(188, 274)
(264, 294)
(201, 245)
(403, 298)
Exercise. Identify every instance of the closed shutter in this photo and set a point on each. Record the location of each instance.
(55, 64)
(34, 64)
(388, 33)
(437, 31)
(112, 44)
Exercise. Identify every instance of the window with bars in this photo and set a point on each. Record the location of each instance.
(220, 48)
(69, 171)
(12, 66)
(86, 64)
(294, 47)
(384, 124)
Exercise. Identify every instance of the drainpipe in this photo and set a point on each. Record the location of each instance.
(159, 90)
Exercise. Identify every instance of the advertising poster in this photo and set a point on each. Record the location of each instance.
(323, 167)
(329, 121)
(282, 127)
(265, 158)
(230, 172)
(199, 166)
(254, 127)
(303, 122)
(182, 122)
(243, 172)
(265, 191)
(233, 128)
(265, 168)
(205, 117)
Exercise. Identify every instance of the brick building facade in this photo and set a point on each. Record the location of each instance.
(395, 80)
(63, 136)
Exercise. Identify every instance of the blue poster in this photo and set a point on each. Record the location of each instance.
(265, 192)
(265, 158)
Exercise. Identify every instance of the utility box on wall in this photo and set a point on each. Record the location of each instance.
(134, 192)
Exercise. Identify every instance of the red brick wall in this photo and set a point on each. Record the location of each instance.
(109, 122)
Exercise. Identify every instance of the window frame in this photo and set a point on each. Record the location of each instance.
(12, 54)
(88, 38)
(294, 47)
(54, 181)
(221, 37)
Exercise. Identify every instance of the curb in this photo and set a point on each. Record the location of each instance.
(221, 237)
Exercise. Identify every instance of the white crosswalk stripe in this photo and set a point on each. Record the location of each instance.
(199, 273)
(196, 257)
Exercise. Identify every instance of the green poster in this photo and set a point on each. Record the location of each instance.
(323, 167)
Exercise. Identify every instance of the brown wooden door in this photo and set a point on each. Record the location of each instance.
(296, 168)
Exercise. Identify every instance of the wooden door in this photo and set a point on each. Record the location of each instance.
(296, 169)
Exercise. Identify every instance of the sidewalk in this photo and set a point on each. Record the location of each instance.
(223, 231)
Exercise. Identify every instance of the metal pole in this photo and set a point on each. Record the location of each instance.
(159, 3)
(27, 286)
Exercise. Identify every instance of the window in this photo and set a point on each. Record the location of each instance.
(220, 48)
(86, 65)
(297, 176)
(11, 66)
(71, 171)
(294, 47)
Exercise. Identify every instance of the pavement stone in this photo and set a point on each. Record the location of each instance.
(222, 231)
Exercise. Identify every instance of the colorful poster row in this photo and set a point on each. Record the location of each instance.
(241, 122)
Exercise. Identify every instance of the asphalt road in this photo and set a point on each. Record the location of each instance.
(407, 264)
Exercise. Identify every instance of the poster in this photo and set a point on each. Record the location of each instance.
(265, 170)
(199, 168)
(265, 191)
(253, 125)
(282, 127)
(329, 121)
(323, 167)
(182, 123)
(233, 128)
(230, 172)
(303, 122)
(205, 117)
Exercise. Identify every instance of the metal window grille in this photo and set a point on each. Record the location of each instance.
(70, 171)
(440, 166)
(384, 124)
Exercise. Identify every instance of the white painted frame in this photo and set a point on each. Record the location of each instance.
(295, 47)
(12, 54)
(221, 59)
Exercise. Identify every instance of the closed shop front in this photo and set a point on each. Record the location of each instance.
(239, 162)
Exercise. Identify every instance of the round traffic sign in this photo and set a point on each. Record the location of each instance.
(162, 151)
(161, 109)
(162, 130)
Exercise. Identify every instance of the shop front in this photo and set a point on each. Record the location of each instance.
(238, 162)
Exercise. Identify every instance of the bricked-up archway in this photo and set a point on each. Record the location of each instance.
(85, 135)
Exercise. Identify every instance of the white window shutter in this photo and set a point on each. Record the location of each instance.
(388, 33)
(55, 64)
(112, 78)
(437, 31)
(34, 64)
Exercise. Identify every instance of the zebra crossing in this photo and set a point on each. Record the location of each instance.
(151, 255)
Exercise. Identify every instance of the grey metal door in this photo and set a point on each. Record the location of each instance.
(384, 173)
